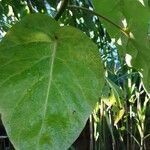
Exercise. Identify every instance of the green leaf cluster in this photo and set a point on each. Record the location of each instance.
(132, 16)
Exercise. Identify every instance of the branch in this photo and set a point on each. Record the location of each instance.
(101, 16)
(30, 6)
(62, 9)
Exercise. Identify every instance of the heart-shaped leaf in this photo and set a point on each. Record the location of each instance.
(50, 80)
(134, 17)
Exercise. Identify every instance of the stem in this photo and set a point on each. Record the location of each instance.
(134, 138)
(99, 15)
(91, 132)
(142, 144)
(110, 126)
(63, 6)
(146, 136)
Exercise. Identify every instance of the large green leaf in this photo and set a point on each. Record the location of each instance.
(50, 80)
(137, 43)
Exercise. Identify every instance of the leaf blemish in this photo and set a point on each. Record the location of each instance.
(56, 38)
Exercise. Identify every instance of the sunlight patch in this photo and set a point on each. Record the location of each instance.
(142, 2)
(124, 22)
(70, 12)
(131, 35)
(119, 42)
(128, 59)
(10, 11)
(59, 5)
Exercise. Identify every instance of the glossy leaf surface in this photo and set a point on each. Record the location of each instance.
(50, 80)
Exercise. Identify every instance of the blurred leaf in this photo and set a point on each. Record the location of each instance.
(108, 97)
(118, 116)
(118, 93)
(136, 15)
(1, 9)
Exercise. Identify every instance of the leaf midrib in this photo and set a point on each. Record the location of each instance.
(48, 91)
